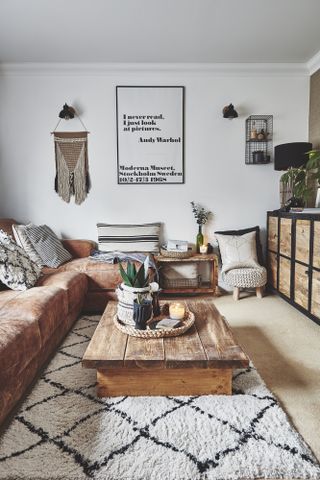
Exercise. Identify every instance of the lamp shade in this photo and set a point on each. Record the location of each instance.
(291, 155)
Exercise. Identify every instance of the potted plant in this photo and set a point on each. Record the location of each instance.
(296, 179)
(202, 216)
(134, 289)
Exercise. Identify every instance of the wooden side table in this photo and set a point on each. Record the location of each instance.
(208, 286)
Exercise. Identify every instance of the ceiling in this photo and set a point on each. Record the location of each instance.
(159, 31)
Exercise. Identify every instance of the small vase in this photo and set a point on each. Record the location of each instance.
(142, 312)
(199, 240)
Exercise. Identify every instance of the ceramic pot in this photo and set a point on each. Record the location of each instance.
(142, 312)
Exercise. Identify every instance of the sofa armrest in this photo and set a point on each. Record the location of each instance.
(79, 248)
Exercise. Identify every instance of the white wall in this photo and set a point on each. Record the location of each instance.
(216, 174)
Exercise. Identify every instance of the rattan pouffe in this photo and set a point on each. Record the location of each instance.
(255, 277)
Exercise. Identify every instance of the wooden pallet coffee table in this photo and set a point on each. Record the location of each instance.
(198, 362)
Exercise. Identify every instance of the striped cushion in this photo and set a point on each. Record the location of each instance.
(22, 239)
(47, 245)
(129, 238)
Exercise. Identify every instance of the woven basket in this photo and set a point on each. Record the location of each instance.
(180, 282)
(166, 253)
(187, 322)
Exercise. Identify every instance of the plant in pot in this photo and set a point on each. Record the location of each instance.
(299, 180)
(313, 168)
(202, 216)
(135, 294)
(296, 180)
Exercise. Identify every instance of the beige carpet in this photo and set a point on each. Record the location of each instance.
(284, 345)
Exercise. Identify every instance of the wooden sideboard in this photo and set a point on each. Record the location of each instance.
(293, 260)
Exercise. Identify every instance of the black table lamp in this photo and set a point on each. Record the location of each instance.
(291, 155)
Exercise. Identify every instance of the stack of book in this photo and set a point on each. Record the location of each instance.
(305, 210)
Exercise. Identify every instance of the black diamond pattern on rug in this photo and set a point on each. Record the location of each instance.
(64, 431)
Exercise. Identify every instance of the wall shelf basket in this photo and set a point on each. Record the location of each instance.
(259, 131)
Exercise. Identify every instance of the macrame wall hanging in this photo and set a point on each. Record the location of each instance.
(71, 156)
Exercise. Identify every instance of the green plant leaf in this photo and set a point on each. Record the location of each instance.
(134, 270)
(131, 271)
(124, 276)
(139, 280)
(146, 267)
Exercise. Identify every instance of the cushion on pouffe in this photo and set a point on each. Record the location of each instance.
(17, 270)
(129, 238)
(245, 277)
(243, 231)
(238, 251)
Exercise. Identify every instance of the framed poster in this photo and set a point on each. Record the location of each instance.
(150, 135)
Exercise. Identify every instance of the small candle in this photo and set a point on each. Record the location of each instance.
(203, 248)
(176, 311)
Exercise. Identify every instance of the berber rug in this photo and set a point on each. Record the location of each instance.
(63, 431)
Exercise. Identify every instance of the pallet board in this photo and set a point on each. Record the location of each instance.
(303, 240)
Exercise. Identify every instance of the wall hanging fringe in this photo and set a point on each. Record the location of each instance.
(71, 155)
(72, 170)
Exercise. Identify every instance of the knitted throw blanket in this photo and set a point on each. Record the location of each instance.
(72, 175)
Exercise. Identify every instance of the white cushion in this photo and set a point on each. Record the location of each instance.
(238, 250)
(129, 238)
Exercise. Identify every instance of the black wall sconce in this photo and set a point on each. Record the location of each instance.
(67, 112)
(229, 112)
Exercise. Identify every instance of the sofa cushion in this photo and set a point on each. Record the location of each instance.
(74, 283)
(129, 238)
(6, 225)
(47, 245)
(17, 270)
(20, 342)
(101, 275)
(79, 248)
(20, 236)
(45, 305)
(8, 295)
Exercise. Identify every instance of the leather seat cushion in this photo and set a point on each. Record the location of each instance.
(48, 306)
(101, 275)
(74, 283)
(20, 342)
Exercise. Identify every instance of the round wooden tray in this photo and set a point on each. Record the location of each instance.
(187, 322)
(165, 253)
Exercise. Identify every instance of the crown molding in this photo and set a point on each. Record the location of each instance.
(314, 63)
(108, 69)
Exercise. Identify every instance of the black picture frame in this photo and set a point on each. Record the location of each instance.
(150, 145)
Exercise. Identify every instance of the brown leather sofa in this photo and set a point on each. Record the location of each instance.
(33, 322)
